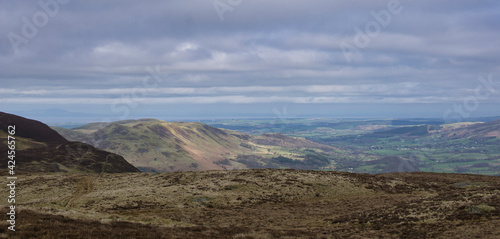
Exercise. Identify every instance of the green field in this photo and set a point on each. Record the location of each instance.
(391, 145)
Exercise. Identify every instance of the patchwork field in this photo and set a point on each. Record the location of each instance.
(394, 145)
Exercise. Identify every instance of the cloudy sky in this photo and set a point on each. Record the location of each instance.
(251, 58)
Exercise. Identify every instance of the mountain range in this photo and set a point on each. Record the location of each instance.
(486, 130)
(463, 130)
(62, 197)
(152, 145)
(158, 146)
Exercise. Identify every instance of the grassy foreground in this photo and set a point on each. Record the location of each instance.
(265, 203)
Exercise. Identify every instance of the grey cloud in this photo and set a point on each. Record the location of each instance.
(441, 47)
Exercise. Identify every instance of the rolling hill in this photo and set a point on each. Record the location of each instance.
(477, 131)
(462, 130)
(41, 149)
(158, 146)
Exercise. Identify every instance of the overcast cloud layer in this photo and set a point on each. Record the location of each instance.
(84, 55)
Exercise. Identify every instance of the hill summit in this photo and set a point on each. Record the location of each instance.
(159, 146)
(41, 149)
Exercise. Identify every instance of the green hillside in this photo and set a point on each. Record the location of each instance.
(158, 146)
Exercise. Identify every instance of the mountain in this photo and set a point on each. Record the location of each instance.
(477, 131)
(30, 129)
(158, 146)
(462, 130)
(41, 149)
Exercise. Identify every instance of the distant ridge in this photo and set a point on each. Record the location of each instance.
(478, 131)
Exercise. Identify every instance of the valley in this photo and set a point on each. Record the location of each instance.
(352, 145)
(199, 181)
(394, 145)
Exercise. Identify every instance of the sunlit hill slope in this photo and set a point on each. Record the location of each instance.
(155, 145)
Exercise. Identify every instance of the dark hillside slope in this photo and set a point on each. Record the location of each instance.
(31, 129)
(41, 149)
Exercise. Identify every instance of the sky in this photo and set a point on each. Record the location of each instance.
(178, 59)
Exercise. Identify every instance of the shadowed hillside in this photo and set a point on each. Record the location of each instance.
(41, 149)
(31, 129)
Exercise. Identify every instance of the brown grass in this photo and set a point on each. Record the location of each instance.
(257, 204)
